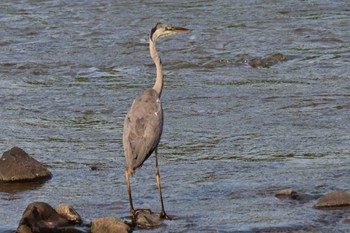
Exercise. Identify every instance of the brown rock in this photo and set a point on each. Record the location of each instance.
(147, 219)
(334, 199)
(109, 225)
(17, 165)
(41, 217)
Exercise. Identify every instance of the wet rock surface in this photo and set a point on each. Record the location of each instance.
(147, 219)
(267, 61)
(109, 225)
(17, 166)
(334, 199)
(41, 217)
(264, 62)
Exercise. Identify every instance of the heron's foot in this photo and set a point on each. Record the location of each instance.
(132, 212)
(163, 215)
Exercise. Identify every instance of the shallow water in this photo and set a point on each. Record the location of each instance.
(233, 134)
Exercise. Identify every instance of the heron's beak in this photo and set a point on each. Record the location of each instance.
(178, 29)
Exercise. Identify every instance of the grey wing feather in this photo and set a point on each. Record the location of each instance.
(142, 128)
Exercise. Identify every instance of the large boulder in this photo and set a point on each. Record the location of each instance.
(41, 217)
(109, 225)
(16, 165)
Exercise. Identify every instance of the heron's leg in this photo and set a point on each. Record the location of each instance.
(127, 177)
(162, 214)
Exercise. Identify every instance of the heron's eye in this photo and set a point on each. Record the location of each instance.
(167, 28)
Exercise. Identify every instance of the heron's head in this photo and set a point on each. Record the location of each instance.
(164, 30)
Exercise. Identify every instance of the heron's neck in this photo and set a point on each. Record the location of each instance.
(158, 86)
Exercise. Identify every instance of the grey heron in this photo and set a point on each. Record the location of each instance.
(143, 123)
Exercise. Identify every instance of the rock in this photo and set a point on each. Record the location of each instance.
(334, 199)
(257, 62)
(347, 219)
(147, 219)
(41, 217)
(68, 212)
(278, 56)
(17, 165)
(109, 225)
(285, 192)
(267, 61)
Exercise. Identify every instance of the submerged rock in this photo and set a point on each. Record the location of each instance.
(41, 217)
(243, 59)
(334, 199)
(109, 225)
(17, 165)
(267, 61)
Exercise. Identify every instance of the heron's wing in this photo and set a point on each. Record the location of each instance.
(142, 128)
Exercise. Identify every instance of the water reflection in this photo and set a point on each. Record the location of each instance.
(13, 188)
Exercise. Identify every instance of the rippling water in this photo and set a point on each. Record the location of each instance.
(233, 134)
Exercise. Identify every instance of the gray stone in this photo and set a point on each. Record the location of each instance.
(109, 225)
(17, 165)
(334, 199)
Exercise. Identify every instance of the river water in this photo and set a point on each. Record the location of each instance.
(233, 134)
